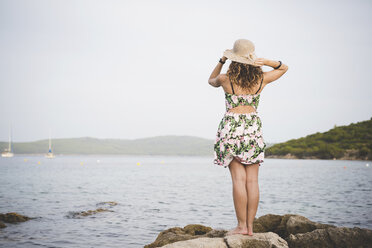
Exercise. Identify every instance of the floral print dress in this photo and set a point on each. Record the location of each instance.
(240, 135)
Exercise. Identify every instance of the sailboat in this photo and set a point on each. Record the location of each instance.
(7, 153)
(50, 153)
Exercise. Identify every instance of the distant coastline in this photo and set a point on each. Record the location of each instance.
(351, 142)
(160, 145)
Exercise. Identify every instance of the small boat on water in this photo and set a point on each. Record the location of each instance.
(50, 153)
(7, 153)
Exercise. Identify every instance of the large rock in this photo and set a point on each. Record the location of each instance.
(258, 240)
(271, 231)
(2, 225)
(199, 242)
(339, 237)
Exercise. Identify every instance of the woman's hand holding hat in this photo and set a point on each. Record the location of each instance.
(224, 58)
(260, 61)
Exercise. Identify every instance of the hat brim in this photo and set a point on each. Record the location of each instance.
(233, 57)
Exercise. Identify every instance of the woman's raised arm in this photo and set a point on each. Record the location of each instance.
(275, 74)
(215, 78)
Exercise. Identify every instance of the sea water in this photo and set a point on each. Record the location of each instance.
(154, 193)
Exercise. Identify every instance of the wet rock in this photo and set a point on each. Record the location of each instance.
(258, 240)
(2, 225)
(13, 217)
(87, 213)
(350, 237)
(283, 225)
(267, 223)
(175, 234)
(317, 238)
(335, 237)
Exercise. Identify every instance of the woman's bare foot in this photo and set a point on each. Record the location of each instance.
(237, 230)
(250, 230)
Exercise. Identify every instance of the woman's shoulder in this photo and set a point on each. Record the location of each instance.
(223, 78)
(225, 83)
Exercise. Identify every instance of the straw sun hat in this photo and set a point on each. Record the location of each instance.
(243, 52)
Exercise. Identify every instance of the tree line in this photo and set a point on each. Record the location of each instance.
(354, 140)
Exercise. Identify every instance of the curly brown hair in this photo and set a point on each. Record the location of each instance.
(246, 76)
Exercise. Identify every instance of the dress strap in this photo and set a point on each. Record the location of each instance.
(260, 85)
(232, 88)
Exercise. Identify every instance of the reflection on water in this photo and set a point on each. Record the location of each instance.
(155, 192)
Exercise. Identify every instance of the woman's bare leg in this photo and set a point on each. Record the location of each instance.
(253, 194)
(238, 176)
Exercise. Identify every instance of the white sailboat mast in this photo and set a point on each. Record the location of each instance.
(50, 140)
(10, 139)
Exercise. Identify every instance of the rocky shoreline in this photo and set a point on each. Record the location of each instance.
(12, 217)
(270, 231)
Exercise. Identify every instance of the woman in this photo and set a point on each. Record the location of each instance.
(239, 143)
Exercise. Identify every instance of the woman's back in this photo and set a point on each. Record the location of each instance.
(240, 100)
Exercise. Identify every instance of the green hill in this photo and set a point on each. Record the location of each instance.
(161, 145)
(353, 141)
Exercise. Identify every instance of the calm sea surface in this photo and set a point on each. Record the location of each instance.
(163, 192)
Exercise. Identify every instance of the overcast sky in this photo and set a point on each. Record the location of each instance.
(134, 69)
